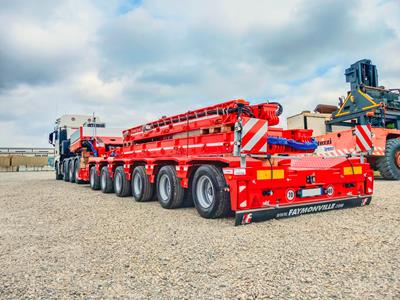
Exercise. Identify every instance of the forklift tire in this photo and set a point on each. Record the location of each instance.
(71, 168)
(106, 182)
(170, 193)
(209, 195)
(66, 170)
(122, 186)
(142, 188)
(58, 172)
(389, 165)
(94, 179)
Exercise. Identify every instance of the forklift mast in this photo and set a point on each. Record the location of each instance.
(367, 102)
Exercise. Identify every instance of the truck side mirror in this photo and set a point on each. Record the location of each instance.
(51, 138)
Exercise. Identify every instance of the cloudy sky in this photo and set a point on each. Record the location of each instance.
(133, 61)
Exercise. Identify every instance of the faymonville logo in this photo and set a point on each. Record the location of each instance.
(311, 209)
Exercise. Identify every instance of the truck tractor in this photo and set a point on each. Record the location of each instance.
(76, 138)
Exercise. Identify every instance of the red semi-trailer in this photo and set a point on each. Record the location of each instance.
(227, 158)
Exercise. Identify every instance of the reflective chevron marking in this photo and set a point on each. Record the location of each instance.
(254, 135)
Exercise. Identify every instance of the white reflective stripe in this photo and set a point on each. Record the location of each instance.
(195, 146)
(264, 148)
(362, 140)
(256, 138)
(214, 144)
(366, 130)
(250, 123)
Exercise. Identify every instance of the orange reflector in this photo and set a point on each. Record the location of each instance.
(352, 170)
(266, 174)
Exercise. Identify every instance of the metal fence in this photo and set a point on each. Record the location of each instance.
(16, 159)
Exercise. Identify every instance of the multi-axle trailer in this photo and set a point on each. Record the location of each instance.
(225, 159)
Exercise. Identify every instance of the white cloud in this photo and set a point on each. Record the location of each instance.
(164, 57)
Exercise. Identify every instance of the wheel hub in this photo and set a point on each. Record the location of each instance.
(165, 187)
(137, 184)
(205, 191)
(118, 182)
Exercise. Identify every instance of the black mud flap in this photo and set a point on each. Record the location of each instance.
(258, 215)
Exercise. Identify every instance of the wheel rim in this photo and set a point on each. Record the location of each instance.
(205, 191)
(91, 178)
(397, 159)
(164, 187)
(118, 182)
(76, 172)
(70, 171)
(103, 180)
(137, 184)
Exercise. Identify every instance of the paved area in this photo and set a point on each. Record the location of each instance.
(62, 240)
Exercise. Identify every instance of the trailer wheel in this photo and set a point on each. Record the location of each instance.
(94, 179)
(71, 168)
(209, 195)
(122, 186)
(389, 165)
(58, 172)
(66, 169)
(77, 166)
(170, 193)
(106, 182)
(142, 188)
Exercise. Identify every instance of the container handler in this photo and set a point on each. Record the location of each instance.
(377, 110)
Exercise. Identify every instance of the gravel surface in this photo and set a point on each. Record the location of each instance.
(62, 240)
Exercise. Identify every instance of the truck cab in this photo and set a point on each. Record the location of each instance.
(60, 137)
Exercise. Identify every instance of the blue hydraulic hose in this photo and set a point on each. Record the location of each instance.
(312, 145)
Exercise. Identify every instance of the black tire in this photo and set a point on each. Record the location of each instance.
(389, 165)
(209, 195)
(142, 188)
(122, 186)
(170, 193)
(94, 179)
(71, 169)
(58, 171)
(77, 166)
(106, 182)
(66, 169)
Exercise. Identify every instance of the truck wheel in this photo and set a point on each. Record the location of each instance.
(122, 186)
(71, 168)
(389, 165)
(66, 169)
(142, 188)
(210, 199)
(94, 179)
(77, 168)
(58, 172)
(170, 193)
(106, 182)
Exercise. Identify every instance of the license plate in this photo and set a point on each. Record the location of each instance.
(311, 192)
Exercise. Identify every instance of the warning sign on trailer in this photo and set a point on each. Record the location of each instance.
(363, 135)
(254, 135)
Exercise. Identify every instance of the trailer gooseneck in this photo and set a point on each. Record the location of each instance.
(225, 159)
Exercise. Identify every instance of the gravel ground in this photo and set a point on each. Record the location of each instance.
(62, 240)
